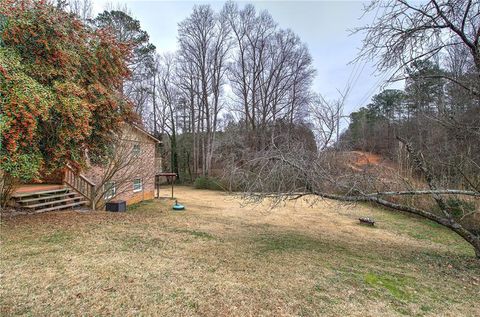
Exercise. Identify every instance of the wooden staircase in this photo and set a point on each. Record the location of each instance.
(49, 200)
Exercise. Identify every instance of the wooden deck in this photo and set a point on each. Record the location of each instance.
(31, 188)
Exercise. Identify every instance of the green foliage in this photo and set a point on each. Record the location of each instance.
(289, 242)
(396, 286)
(59, 88)
(25, 103)
(460, 207)
(3, 21)
(3, 127)
(373, 127)
(387, 104)
(128, 30)
(424, 90)
(204, 182)
(25, 166)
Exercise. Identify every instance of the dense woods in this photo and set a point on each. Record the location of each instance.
(441, 118)
(235, 70)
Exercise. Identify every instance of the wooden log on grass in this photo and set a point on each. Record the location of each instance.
(367, 221)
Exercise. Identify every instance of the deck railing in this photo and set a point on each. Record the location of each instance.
(81, 184)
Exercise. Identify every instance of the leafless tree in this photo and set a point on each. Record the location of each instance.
(271, 71)
(404, 31)
(445, 34)
(82, 8)
(325, 118)
(218, 67)
(401, 34)
(188, 84)
(196, 37)
(167, 103)
(288, 173)
(204, 41)
(122, 166)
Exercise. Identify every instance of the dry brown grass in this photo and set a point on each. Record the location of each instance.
(220, 259)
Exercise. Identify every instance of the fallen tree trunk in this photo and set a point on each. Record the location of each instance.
(353, 194)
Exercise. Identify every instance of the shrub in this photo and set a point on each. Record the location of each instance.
(459, 207)
(204, 182)
(59, 82)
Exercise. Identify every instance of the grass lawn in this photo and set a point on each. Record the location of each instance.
(221, 259)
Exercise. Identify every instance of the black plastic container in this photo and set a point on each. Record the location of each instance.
(116, 206)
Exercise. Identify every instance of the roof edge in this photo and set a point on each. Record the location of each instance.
(146, 133)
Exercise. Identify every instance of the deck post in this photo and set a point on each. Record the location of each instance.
(92, 197)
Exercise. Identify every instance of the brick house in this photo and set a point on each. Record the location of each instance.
(131, 175)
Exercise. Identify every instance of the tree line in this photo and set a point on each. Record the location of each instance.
(233, 67)
(436, 114)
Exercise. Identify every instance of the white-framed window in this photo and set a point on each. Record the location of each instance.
(110, 190)
(137, 185)
(136, 150)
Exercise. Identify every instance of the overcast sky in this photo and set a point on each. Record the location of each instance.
(323, 25)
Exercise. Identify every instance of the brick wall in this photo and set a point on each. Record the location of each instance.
(141, 166)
